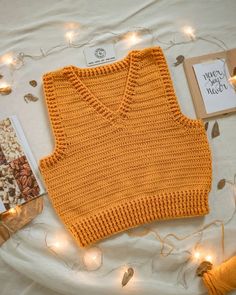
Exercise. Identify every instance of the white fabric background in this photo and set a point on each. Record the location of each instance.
(29, 269)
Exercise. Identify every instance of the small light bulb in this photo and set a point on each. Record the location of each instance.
(92, 258)
(197, 255)
(7, 59)
(56, 244)
(4, 85)
(189, 31)
(232, 80)
(12, 210)
(209, 258)
(132, 38)
(70, 36)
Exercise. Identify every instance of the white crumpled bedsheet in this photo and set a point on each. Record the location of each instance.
(26, 266)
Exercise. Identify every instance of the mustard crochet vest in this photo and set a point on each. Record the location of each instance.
(124, 152)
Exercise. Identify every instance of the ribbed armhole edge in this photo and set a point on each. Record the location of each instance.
(56, 124)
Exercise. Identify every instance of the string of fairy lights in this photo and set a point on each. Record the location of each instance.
(131, 38)
(93, 257)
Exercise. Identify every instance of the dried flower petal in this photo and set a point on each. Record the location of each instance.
(234, 72)
(215, 130)
(1, 76)
(30, 97)
(33, 83)
(203, 267)
(179, 60)
(127, 276)
(221, 184)
(5, 90)
(138, 232)
(206, 125)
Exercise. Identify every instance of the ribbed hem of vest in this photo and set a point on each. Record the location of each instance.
(105, 223)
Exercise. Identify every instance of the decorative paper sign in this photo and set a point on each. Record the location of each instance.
(217, 93)
(99, 54)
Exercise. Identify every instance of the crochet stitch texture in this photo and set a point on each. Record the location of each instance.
(124, 152)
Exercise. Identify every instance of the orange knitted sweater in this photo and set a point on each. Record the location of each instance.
(124, 152)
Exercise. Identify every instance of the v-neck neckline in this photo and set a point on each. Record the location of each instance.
(130, 61)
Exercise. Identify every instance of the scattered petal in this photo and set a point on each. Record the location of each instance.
(33, 83)
(179, 60)
(138, 232)
(204, 267)
(30, 97)
(215, 130)
(5, 90)
(234, 72)
(127, 276)
(206, 125)
(1, 76)
(221, 184)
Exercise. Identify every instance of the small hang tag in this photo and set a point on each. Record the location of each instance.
(99, 54)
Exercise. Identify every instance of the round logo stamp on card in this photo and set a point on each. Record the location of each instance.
(100, 52)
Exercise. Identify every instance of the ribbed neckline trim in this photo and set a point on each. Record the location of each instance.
(116, 117)
(130, 61)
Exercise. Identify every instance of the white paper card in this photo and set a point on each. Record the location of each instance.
(99, 54)
(217, 93)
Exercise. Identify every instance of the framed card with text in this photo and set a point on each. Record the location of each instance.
(211, 85)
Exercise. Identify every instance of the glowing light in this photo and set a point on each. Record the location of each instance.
(92, 258)
(58, 242)
(12, 210)
(69, 36)
(232, 80)
(209, 258)
(189, 31)
(57, 245)
(7, 59)
(196, 255)
(132, 38)
(4, 85)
